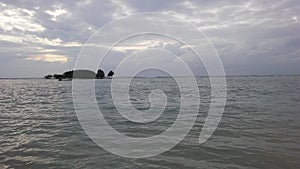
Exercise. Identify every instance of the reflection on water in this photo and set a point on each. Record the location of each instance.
(259, 128)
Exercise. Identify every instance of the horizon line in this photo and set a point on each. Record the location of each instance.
(242, 75)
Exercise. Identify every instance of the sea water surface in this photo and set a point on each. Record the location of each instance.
(260, 127)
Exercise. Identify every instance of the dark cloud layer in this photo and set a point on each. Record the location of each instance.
(252, 37)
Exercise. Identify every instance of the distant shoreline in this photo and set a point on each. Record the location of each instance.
(11, 78)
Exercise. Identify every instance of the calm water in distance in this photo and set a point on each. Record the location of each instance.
(260, 127)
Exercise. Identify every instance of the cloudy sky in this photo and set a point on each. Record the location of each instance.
(251, 37)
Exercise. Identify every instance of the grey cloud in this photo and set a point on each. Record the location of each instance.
(252, 37)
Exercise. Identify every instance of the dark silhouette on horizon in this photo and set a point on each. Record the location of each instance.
(100, 74)
(48, 77)
(110, 74)
(80, 74)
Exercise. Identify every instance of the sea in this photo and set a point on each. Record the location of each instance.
(259, 128)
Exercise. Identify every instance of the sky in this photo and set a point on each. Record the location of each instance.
(251, 37)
